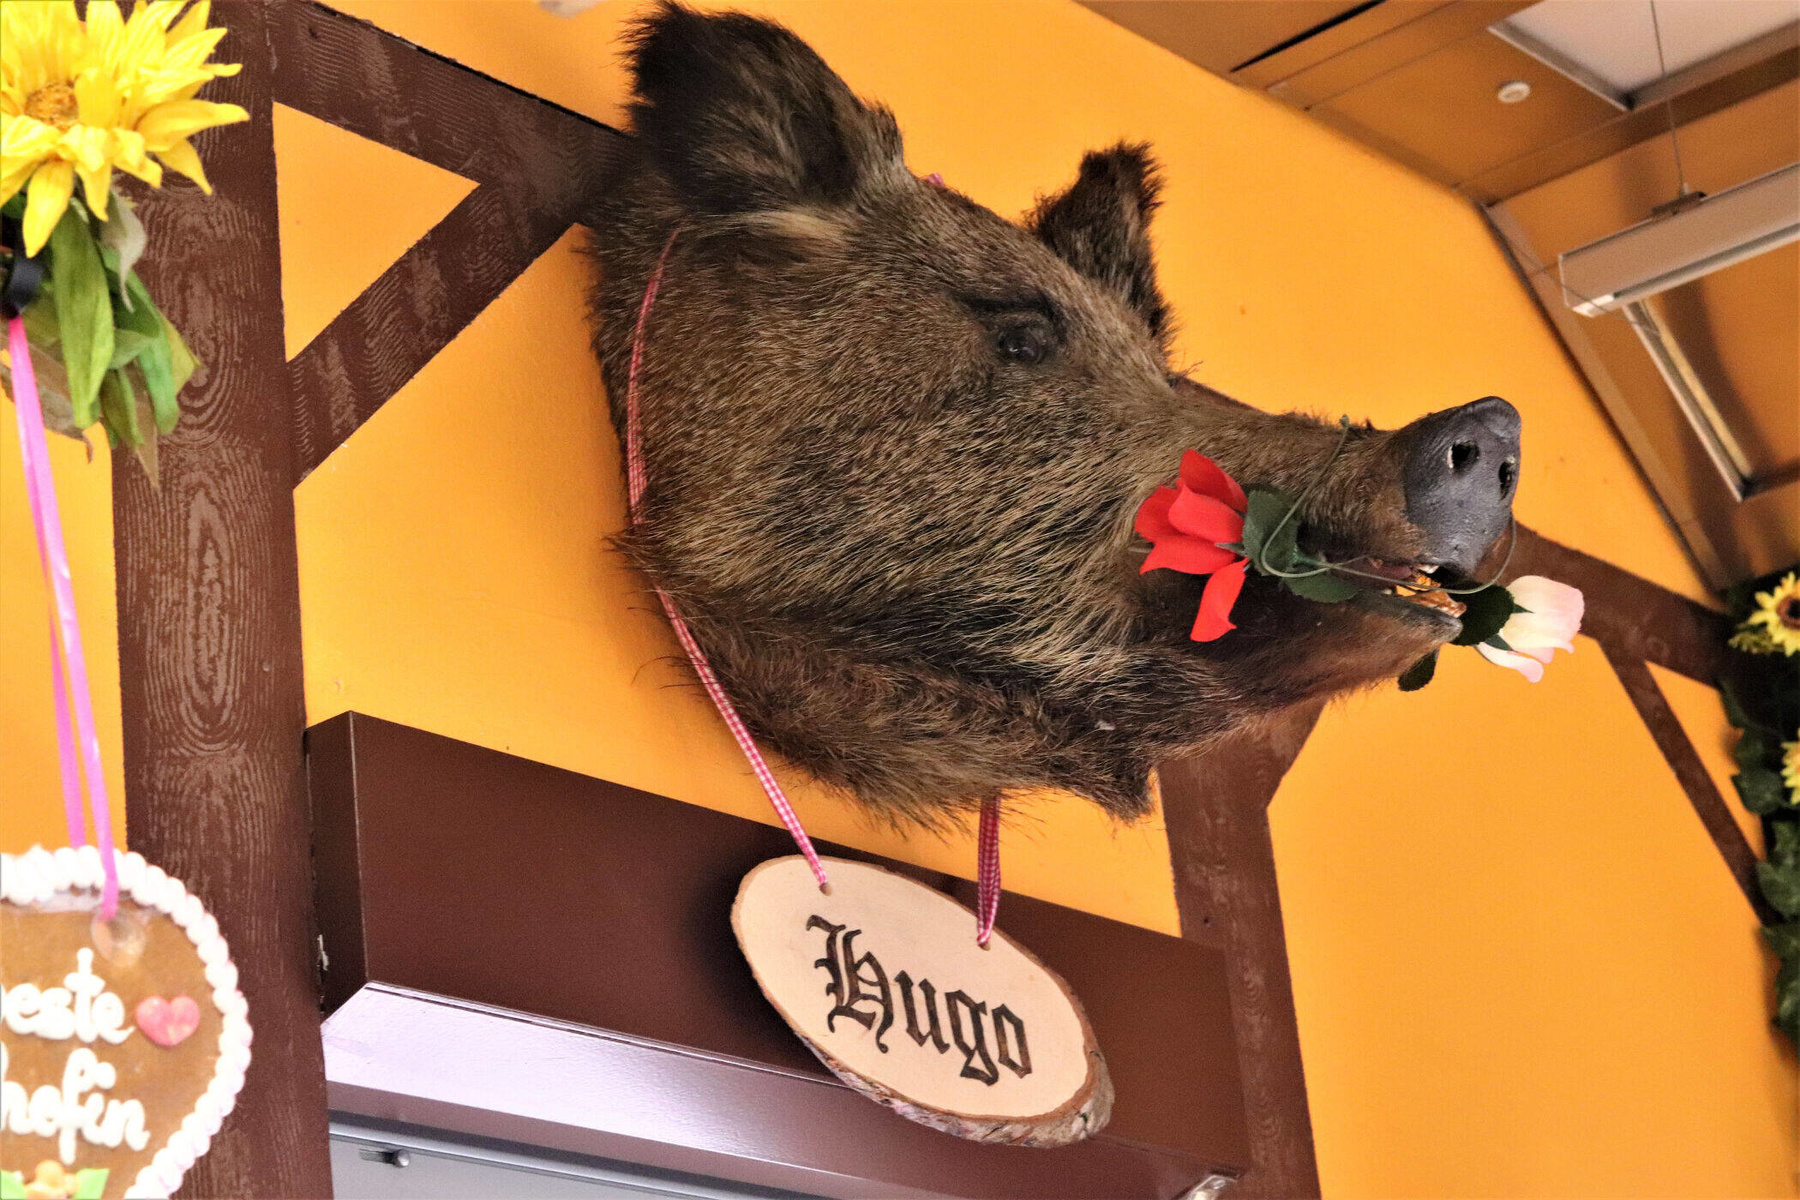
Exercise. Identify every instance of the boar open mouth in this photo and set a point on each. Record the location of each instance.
(1414, 586)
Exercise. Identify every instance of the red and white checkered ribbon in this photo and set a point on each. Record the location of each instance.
(988, 840)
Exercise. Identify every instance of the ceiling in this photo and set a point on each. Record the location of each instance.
(1582, 150)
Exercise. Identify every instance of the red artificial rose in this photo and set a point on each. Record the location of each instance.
(1188, 527)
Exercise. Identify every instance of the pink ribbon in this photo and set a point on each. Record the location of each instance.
(988, 839)
(65, 627)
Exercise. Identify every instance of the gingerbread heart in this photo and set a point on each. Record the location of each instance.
(122, 1107)
(168, 1022)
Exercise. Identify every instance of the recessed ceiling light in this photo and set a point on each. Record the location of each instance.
(1513, 91)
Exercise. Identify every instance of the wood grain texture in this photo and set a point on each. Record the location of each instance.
(209, 632)
(1216, 808)
(1678, 750)
(537, 166)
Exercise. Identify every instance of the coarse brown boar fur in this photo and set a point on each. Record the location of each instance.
(895, 444)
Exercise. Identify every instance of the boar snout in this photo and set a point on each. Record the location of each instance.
(1461, 471)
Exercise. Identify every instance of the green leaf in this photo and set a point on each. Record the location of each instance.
(159, 361)
(90, 1183)
(83, 313)
(1327, 589)
(1485, 613)
(181, 359)
(124, 237)
(1787, 997)
(1264, 512)
(119, 409)
(12, 1185)
(1420, 673)
(1734, 707)
(1754, 750)
(1780, 887)
(1783, 939)
(127, 345)
(1761, 790)
(1786, 850)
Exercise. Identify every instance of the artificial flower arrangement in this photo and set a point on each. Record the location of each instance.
(1764, 705)
(79, 99)
(1206, 524)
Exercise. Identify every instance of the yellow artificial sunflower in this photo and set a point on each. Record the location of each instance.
(1776, 620)
(78, 98)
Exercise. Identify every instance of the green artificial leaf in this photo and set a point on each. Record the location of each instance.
(83, 312)
(1420, 673)
(90, 1183)
(1754, 749)
(1780, 887)
(1735, 712)
(127, 345)
(40, 320)
(1787, 997)
(1761, 790)
(1783, 939)
(1485, 613)
(166, 363)
(119, 409)
(1265, 511)
(1327, 589)
(123, 240)
(12, 1184)
(1786, 850)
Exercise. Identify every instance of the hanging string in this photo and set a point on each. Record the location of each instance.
(987, 858)
(988, 837)
(65, 628)
(1668, 103)
(635, 484)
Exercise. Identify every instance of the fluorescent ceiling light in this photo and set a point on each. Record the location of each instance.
(1614, 41)
(1668, 251)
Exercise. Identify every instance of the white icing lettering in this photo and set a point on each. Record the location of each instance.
(83, 1009)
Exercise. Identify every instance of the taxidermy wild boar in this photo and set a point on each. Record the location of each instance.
(895, 445)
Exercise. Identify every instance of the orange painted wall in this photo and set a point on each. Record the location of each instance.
(1519, 966)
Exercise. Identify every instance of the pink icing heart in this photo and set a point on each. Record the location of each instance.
(168, 1022)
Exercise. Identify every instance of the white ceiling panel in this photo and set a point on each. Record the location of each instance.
(1615, 40)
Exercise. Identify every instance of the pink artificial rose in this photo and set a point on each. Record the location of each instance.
(1549, 622)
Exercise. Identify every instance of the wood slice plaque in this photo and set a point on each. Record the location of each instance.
(881, 977)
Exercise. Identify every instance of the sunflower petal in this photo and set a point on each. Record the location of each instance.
(24, 145)
(105, 35)
(176, 121)
(182, 159)
(46, 199)
(193, 22)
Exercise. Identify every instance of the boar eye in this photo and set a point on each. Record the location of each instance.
(1025, 344)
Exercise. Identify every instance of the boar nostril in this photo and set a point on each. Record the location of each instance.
(1464, 455)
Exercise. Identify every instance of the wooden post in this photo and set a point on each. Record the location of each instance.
(209, 631)
(1216, 808)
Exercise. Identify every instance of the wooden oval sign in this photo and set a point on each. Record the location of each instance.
(882, 979)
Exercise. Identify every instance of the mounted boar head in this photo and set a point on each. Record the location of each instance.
(895, 443)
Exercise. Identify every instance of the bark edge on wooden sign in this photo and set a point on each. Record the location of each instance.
(787, 965)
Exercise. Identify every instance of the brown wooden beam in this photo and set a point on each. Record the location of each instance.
(209, 632)
(1216, 809)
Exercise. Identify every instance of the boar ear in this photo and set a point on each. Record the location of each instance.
(1101, 227)
(743, 116)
